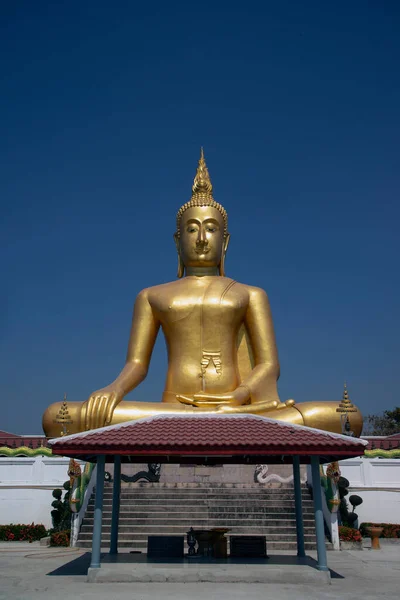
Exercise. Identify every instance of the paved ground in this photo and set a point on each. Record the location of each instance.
(30, 572)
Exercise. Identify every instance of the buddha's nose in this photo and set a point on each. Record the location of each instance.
(201, 238)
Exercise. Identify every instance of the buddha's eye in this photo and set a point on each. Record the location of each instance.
(191, 229)
(211, 229)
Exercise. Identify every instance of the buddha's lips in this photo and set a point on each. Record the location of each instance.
(202, 250)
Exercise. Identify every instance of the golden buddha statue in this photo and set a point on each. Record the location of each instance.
(222, 356)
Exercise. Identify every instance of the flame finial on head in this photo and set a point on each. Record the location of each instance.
(202, 195)
(202, 187)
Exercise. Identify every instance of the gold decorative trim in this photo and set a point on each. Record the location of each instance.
(378, 453)
(214, 358)
(25, 451)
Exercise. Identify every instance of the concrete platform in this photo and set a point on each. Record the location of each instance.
(127, 568)
(32, 572)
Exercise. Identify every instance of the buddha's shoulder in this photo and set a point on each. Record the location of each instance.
(252, 290)
(155, 291)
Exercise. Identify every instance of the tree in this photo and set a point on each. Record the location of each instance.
(386, 424)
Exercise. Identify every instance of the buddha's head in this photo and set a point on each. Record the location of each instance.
(202, 236)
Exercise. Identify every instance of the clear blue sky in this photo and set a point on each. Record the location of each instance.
(103, 108)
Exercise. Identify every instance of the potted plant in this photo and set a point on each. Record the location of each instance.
(350, 538)
(374, 532)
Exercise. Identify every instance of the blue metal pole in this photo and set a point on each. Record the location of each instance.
(115, 505)
(322, 563)
(298, 506)
(98, 513)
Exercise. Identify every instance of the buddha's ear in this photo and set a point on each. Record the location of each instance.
(224, 249)
(181, 266)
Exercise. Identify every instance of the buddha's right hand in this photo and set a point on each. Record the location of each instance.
(100, 407)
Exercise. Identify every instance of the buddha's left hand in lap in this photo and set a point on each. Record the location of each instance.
(238, 397)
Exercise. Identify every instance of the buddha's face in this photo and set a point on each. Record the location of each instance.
(201, 240)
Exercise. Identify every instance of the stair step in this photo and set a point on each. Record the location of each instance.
(205, 490)
(199, 497)
(210, 502)
(286, 546)
(182, 485)
(221, 512)
(201, 502)
(272, 537)
(199, 523)
(163, 517)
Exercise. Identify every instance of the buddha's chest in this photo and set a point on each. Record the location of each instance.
(210, 305)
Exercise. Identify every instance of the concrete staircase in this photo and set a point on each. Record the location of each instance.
(162, 508)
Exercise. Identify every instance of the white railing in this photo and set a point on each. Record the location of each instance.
(77, 518)
(330, 517)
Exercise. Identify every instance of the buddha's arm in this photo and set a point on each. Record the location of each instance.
(261, 382)
(101, 404)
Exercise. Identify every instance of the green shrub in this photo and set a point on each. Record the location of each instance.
(61, 513)
(57, 494)
(22, 533)
(60, 538)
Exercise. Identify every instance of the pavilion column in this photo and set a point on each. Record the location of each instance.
(98, 513)
(115, 505)
(298, 506)
(322, 564)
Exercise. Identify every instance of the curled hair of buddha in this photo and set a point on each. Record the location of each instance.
(202, 196)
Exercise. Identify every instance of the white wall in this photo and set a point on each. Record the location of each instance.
(377, 482)
(26, 486)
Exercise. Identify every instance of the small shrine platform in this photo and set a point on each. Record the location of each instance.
(207, 439)
(277, 568)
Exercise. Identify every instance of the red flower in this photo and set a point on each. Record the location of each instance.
(348, 534)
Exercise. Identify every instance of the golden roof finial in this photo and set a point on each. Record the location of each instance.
(202, 187)
(63, 416)
(346, 404)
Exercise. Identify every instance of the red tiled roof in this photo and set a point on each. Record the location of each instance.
(14, 440)
(390, 442)
(207, 435)
(6, 434)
